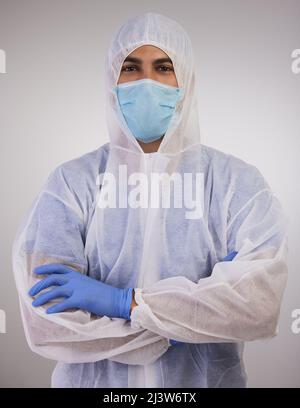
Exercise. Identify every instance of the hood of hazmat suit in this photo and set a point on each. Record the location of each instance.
(171, 254)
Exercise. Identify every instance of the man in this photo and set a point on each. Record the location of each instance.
(125, 276)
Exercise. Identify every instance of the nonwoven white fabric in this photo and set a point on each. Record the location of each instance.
(183, 290)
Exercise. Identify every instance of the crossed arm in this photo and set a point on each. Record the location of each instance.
(240, 301)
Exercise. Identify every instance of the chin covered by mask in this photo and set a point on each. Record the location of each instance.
(148, 107)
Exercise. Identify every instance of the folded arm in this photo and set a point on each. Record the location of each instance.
(52, 232)
(240, 300)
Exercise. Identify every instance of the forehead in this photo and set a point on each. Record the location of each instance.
(148, 51)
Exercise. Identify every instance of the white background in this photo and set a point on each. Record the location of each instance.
(52, 110)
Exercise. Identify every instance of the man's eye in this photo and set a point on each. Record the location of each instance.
(128, 66)
(166, 68)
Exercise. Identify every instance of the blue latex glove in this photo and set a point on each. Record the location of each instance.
(80, 291)
(173, 342)
(228, 257)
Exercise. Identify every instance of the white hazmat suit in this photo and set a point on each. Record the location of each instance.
(182, 289)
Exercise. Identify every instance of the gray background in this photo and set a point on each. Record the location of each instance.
(52, 110)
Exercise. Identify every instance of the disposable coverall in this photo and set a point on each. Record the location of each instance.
(182, 289)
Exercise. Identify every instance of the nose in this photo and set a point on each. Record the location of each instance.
(150, 74)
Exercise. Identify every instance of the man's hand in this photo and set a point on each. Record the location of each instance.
(80, 291)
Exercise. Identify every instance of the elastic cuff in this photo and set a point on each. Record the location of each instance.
(138, 296)
(139, 301)
(128, 301)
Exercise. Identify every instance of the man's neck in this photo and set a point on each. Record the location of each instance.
(150, 147)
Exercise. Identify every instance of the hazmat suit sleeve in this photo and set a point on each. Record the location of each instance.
(240, 300)
(53, 232)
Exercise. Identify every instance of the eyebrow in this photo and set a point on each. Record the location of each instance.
(139, 61)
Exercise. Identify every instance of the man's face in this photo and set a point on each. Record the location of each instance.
(148, 61)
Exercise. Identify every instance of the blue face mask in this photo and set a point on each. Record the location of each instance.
(147, 107)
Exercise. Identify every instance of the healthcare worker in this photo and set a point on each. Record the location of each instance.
(140, 295)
